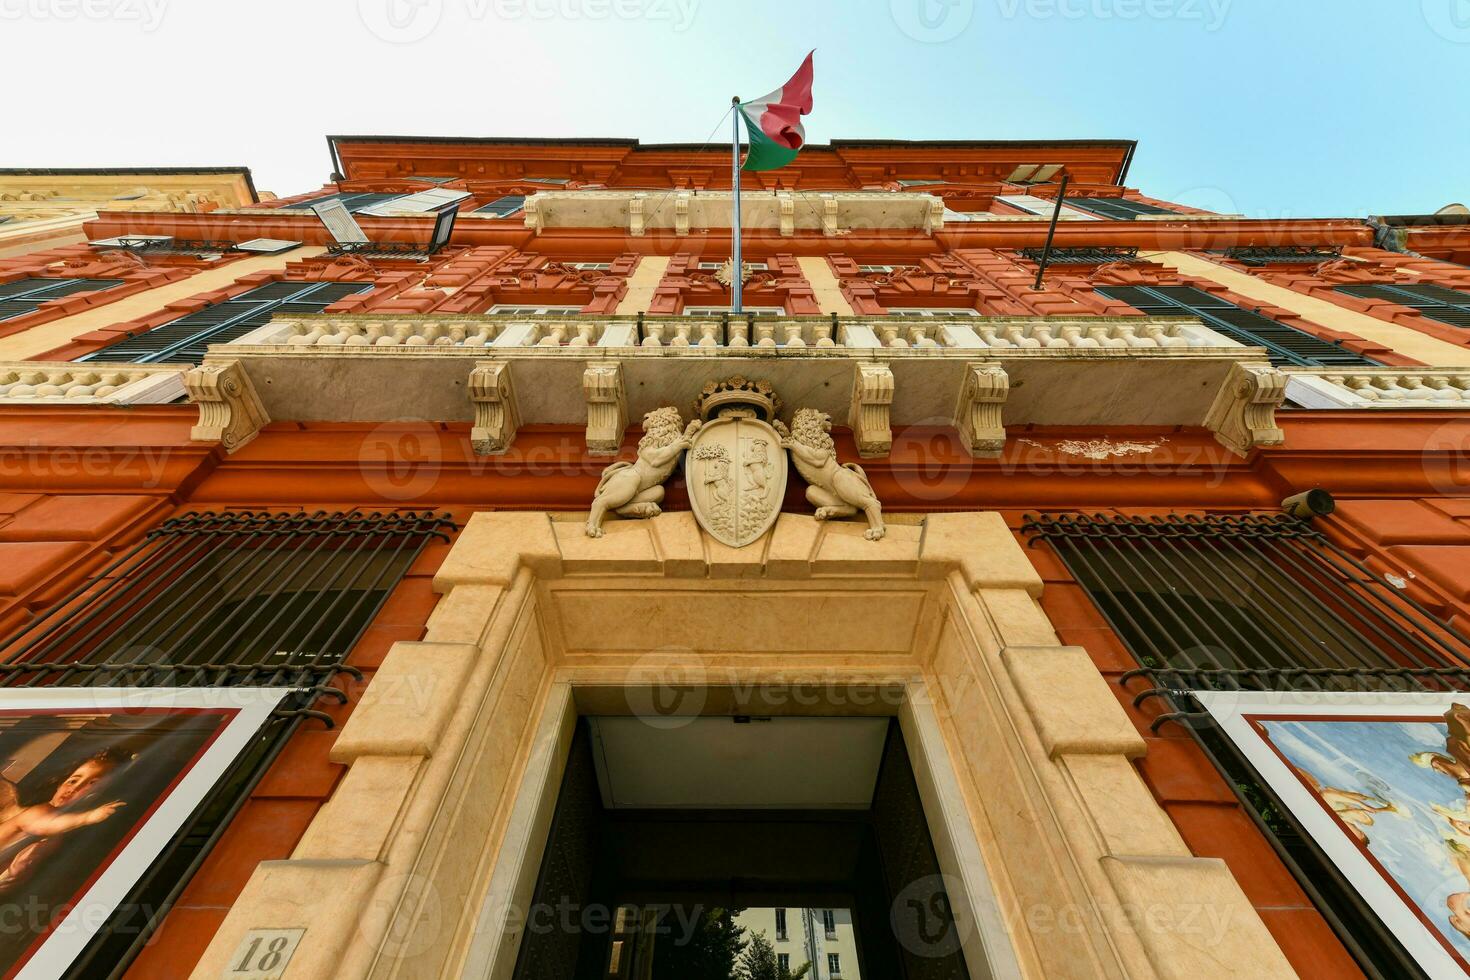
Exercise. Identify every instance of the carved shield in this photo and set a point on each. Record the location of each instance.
(736, 471)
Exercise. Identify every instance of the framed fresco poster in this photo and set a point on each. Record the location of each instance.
(94, 783)
(1382, 783)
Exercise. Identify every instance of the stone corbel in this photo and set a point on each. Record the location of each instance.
(607, 407)
(496, 418)
(1244, 413)
(230, 411)
(868, 417)
(681, 213)
(829, 215)
(934, 215)
(982, 401)
(788, 214)
(635, 215)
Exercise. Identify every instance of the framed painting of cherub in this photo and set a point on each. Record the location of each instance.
(94, 783)
(1382, 784)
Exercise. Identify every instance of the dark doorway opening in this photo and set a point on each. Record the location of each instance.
(640, 881)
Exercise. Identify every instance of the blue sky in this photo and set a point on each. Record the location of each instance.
(1284, 108)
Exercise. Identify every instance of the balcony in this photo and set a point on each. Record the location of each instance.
(683, 211)
(976, 374)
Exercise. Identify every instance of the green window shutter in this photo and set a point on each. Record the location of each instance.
(1436, 302)
(26, 295)
(185, 340)
(1117, 208)
(1285, 345)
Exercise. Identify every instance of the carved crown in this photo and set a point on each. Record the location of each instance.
(737, 392)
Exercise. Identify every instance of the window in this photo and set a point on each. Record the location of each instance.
(1436, 302)
(591, 266)
(710, 266)
(938, 311)
(1285, 345)
(503, 207)
(352, 202)
(829, 923)
(220, 600)
(878, 269)
(26, 295)
(783, 963)
(1117, 208)
(184, 341)
(536, 310)
(722, 310)
(780, 923)
(1256, 603)
(834, 965)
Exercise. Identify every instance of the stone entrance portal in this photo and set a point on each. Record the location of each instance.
(1056, 860)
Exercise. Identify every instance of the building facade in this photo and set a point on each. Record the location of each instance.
(946, 585)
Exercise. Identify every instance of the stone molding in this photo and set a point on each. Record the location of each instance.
(230, 410)
(69, 383)
(872, 401)
(1038, 741)
(1244, 414)
(496, 417)
(982, 403)
(1379, 388)
(607, 407)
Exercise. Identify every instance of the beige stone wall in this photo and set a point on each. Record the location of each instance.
(1063, 864)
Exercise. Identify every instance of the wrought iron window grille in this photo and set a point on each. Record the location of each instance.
(199, 248)
(416, 251)
(1081, 256)
(220, 600)
(1282, 254)
(1259, 602)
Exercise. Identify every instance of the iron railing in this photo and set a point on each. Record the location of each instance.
(1259, 603)
(1081, 256)
(1283, 254)
(220, 600)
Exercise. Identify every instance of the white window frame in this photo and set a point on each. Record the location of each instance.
(884, 269)
(591, 266)
(527, 309)
(930, 311)
(720, 310)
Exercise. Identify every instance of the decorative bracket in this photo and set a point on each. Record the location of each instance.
(607, 407)
(982, 400)
(1244, 413)
(230, 411)
(868, 416)
(496, 418)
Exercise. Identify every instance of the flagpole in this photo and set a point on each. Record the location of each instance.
(736, 267)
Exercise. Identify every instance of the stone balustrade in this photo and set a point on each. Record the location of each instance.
(67, 383)
(792, 333)
(1379, 388)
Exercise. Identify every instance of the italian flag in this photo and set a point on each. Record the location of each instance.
(774, 121)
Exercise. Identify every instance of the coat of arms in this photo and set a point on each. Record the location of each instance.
(736, 469)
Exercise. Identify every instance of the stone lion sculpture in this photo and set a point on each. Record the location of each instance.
(635, 489)
(836, 491)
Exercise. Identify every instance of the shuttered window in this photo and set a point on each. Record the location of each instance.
(1436, 302)
(236, 599)
(25, 295)
(503, 207)
(1117, 208)
(184, 341)
(1285, 345)
(352, 202)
